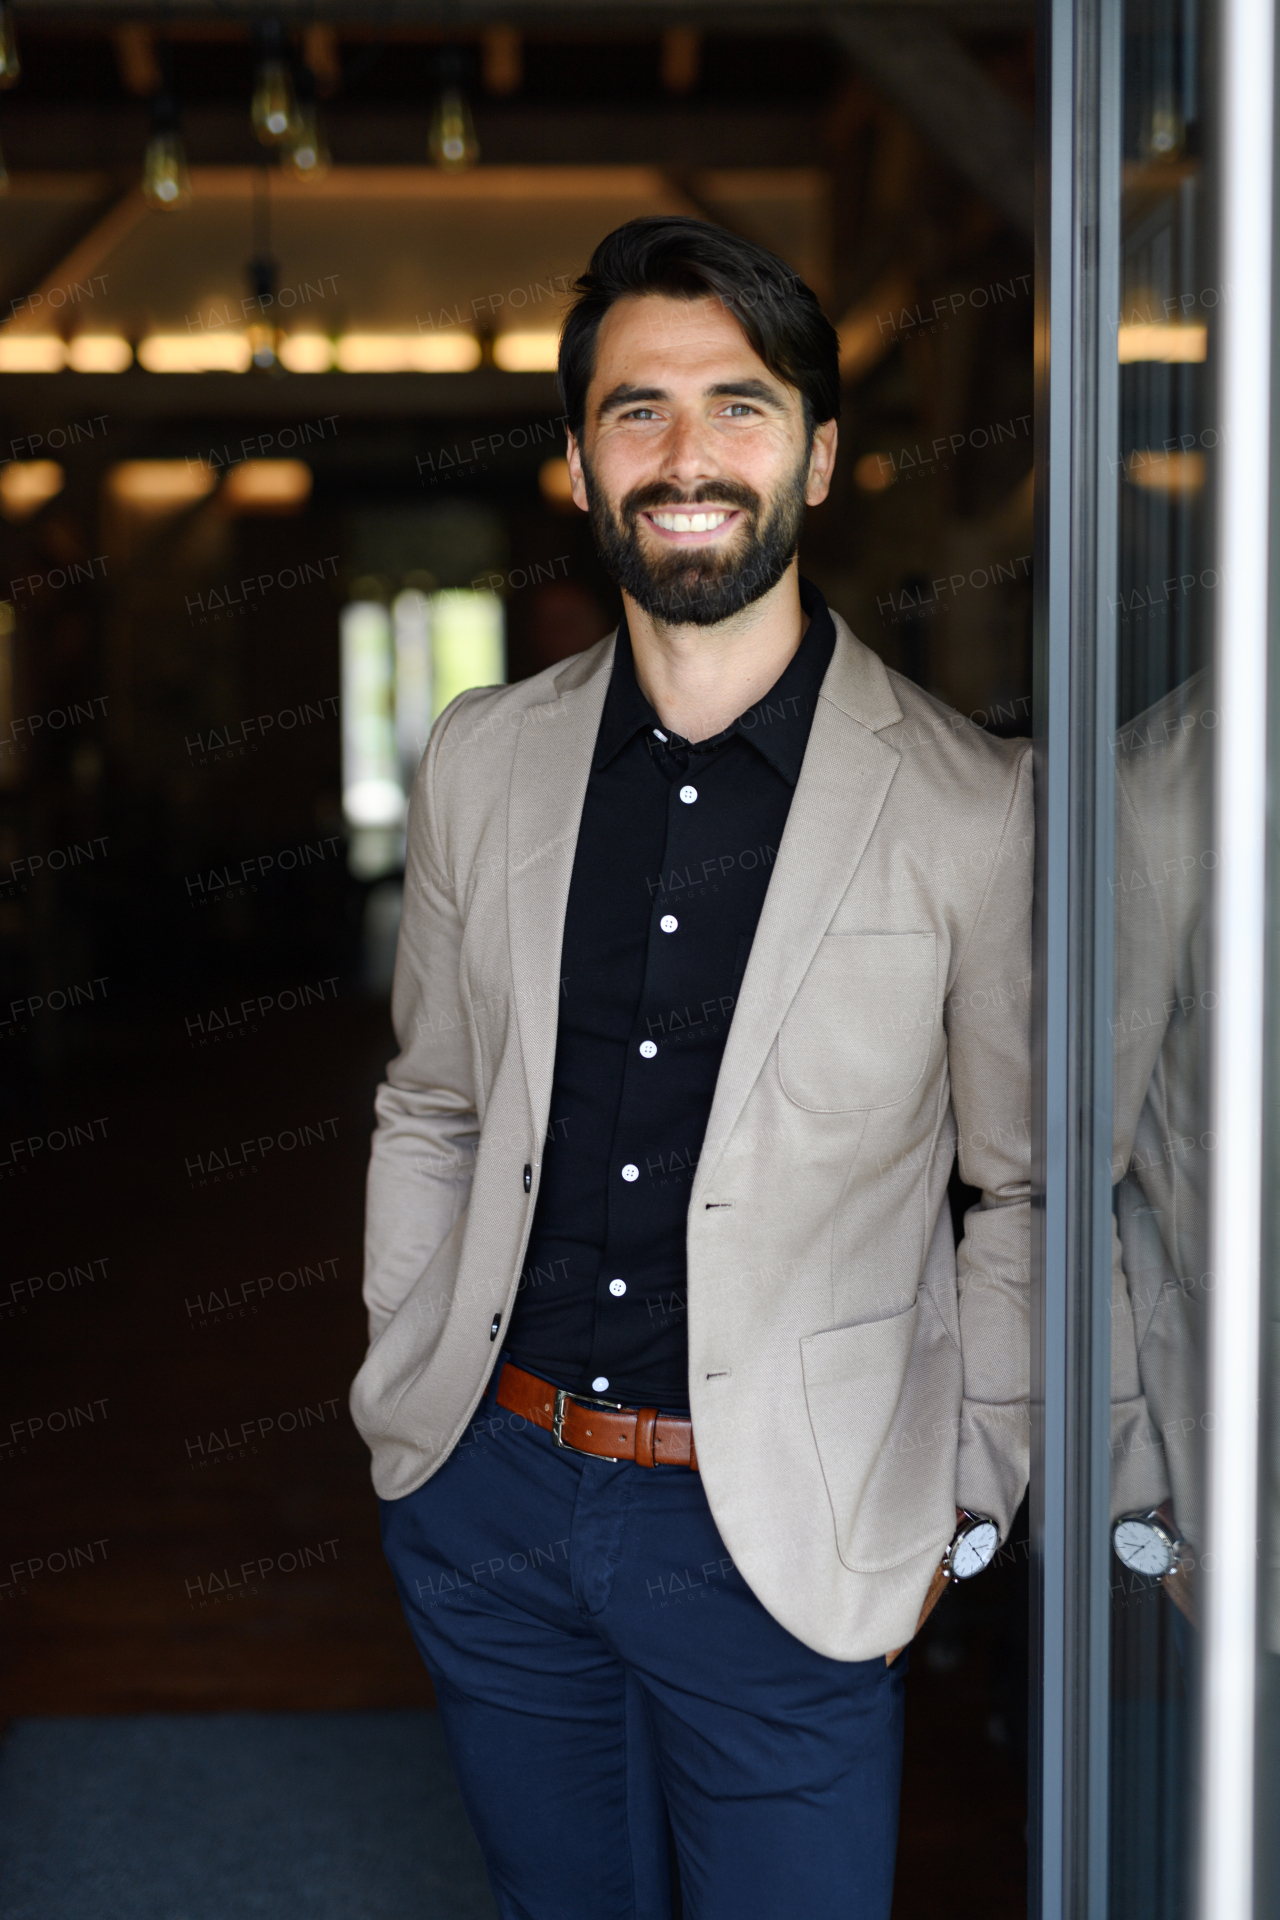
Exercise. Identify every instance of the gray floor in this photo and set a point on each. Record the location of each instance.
(237, 1816)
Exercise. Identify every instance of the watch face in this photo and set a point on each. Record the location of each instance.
(974, 1550)
(1143, 1547)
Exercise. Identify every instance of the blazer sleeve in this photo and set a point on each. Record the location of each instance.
(427, 1132)
(988, 1021)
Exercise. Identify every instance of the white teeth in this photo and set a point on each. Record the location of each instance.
(690, 522)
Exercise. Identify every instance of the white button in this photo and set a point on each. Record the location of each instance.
(658, 734)
(688, 795)
(648, 1048)
(668, 923)
(630, 1172)
(599, 1384)
(617, 1288)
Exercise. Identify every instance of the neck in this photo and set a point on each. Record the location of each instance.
(699, 679)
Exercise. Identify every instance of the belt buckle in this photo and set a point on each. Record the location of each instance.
(557, 1422)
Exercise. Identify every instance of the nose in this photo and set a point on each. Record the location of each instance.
(688, 458)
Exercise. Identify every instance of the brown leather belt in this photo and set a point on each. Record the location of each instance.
(599, 1427)
(613, 1432)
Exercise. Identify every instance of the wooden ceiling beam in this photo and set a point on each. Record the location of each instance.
(544, 17)
(45, 136)
(917, 62)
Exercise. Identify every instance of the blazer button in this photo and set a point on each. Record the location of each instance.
(528, 1179)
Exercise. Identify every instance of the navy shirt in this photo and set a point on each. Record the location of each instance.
(674, 854)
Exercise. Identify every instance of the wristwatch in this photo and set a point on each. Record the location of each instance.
(1147, 1543)
(973, 1546)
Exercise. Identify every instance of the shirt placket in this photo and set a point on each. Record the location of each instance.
(639, 1150)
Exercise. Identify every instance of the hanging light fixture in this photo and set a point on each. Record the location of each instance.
(306, 154)
(452, 141)
(165, 180)
(274, 107)
(1162, 136)
(262, 271)
(10, 70)
(10, 64)
(166, 184)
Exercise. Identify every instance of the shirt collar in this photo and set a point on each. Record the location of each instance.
(777, 726)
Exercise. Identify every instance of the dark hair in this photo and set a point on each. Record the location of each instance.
(689, 259)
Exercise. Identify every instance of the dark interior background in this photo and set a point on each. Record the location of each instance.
(168, 1415)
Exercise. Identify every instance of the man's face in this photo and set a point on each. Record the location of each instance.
(694, 463)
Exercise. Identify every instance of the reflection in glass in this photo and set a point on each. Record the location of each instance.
(1164, 742)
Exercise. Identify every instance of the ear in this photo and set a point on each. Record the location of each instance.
(573, 453)
(822, 461)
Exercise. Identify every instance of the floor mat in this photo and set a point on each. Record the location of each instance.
(236, 1816)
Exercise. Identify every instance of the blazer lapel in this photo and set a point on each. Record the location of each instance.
(549, 775)
(843, 782)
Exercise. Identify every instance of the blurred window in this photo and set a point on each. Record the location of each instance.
(401, 667)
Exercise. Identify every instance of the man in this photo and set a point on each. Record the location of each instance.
(714, 948)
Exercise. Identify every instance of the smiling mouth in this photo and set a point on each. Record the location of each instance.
(701, 520)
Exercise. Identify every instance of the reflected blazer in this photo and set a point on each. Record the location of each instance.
(1165, 864)
(853, 1377)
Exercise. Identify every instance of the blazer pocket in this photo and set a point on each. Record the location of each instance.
(853, 1383)
(858, 1033)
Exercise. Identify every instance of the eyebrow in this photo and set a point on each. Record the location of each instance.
(746, 390)
(628, 396)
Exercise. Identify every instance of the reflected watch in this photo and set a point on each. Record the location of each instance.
(1148, 1543)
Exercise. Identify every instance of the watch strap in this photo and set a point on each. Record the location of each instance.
(1179, 1586)
(937, 1587)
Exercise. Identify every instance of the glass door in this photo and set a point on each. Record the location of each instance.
(1158, 1625)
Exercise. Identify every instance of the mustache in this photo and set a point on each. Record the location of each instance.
(664, 493)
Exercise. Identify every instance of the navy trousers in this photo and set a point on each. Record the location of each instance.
(601, 1669)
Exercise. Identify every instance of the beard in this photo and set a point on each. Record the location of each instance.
(699, 587)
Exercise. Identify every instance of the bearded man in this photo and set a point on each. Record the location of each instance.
(682, 1401)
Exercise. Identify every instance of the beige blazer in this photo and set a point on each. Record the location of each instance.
(851, 1378)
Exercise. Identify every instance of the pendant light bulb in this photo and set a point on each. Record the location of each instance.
(263, 271)
(452, 141)
(10, 64)
(166, 184)
(1162, 138)
(306, 153)
(274, 110)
